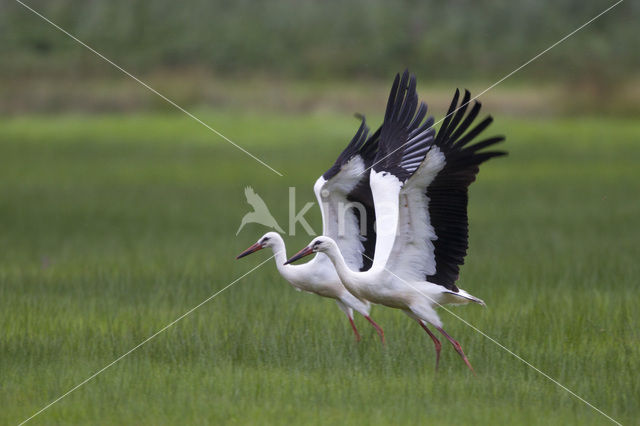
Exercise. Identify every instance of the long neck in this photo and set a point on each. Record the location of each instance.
(344, 272)
(280, 256)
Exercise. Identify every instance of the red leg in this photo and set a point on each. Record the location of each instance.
(457, 347)
(355, 330)
(435, 341)
(377, 327)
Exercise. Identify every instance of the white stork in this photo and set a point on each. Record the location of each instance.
(421, 210)
(343, 183)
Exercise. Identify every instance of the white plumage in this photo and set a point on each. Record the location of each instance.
(419, 185)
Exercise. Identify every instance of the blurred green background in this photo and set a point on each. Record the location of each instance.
(118, 213)
(273, 54)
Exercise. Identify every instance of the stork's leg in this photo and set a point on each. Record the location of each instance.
(377, 327)
(349, 313)
(457, 347)
(355, 330)
(436, 342)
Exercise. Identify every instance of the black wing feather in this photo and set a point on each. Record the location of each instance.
(362, 194)
(448, 193)
(403, 135)
(359, 144)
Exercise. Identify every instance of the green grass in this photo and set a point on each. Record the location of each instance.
(111, 227)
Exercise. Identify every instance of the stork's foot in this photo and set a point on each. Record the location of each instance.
(457, 347)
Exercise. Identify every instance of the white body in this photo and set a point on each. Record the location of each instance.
(381, 286)
(317, 276)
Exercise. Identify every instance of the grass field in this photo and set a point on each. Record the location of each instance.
(113, 226)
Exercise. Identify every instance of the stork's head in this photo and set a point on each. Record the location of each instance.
(270, 239)
(318, 244)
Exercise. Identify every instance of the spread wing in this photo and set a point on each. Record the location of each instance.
(433, 227)
(405, 138)
(345, 200)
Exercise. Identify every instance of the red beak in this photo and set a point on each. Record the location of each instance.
(299, 255)
(254, 248)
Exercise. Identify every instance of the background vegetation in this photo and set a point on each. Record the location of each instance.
(200, 51)
(458, 39)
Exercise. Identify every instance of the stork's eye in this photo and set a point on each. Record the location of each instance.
(265, 239)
